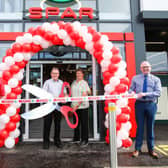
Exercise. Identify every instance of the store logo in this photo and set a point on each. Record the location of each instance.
(60, 3)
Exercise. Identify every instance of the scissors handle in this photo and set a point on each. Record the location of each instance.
(65, 110)
(65, 85)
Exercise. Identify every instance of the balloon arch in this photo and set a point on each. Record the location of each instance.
(73, 34)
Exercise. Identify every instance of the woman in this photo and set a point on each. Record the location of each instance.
(79, 88)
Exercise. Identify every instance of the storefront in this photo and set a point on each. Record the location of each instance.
(115, 18)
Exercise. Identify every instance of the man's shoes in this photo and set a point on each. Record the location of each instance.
(46, 145)
(58, 144)
(153, 154)
(83, 144)
(136, 153)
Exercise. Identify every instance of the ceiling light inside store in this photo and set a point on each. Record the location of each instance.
(163, 33)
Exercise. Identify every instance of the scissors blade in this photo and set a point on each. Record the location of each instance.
(39, 112)
(36, 91)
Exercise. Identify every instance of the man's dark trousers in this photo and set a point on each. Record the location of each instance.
(145, 110)
(47, 126)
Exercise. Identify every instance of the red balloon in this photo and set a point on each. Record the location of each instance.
(15, 118)
(20, 83)
(121, 88)
(96, 36)
(91, 30)
(48, 35)
(21, 64)
(107, 75)
(27, 47)
(16, 140)
(3, 134)
(1, 143)
(2, 112)
(10, 126)
(9, 52)
(75, 36)
(115, 50)
(105, 81)
(18, 110)
(4, 106)
(4, 57)
(107, 139)
(126, 142)
(80, 43)
(112, 68)
(97, 54)
(39, 31)
(107, 132)
(99, 59)
(98, 47)
(125, 81)
(31, 30)
(126, 110)
(118, 126)
(116, 59)
(17, 90)
(106, 109)
(11, 96)
(35, 48)
(122, 118)
(16, 47)
(14, 69)
(6, 75)
(68, 28)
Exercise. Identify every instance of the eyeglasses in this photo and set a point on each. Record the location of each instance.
(54, 73)
(145, 67)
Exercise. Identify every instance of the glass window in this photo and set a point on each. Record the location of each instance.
(158, 60)
(114, 9)
(11, 9)
(3, 48)
(10, 27)
(115, 27)
(122, 49)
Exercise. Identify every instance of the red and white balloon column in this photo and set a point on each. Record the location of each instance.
(73, 34)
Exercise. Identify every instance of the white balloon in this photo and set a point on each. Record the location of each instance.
(104, 63)
(114, 81)
(37, 39)
(1, 74)
(27, 56)
(47, 26)
(19, 76)
(122, 64)
(7, 89)
(118, 111)
(108, 88)
(62, 34)
(76, 25)
(106, 124)
(126, 126)
(104, 39)
(13, 82)
(19, 40)
(9, 61)
(122, 134)
(54, 28)
(16, 105)
(87, 38)
(45, 44)
(89, 46)
(107, 54)
(28, 38)
(122, 102)
(3, 66)
(2, 125)
(9, 143)
(119, 143)
(121, 73)
(67, 41)
(10, 111)
(15, 133)
(107, 117)
(18, 57)
(107, 45)
(4, 118)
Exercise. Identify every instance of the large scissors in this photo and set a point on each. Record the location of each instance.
(47, 108)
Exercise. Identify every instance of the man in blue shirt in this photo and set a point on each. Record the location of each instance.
(148, 89)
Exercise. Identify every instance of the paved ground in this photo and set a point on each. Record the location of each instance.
(96, 155)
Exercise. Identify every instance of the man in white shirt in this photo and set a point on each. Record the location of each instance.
(53, 86)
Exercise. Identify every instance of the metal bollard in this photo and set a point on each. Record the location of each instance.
(112, 131)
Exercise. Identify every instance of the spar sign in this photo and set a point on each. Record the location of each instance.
(53, 11)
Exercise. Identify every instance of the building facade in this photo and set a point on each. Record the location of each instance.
(138, 28)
